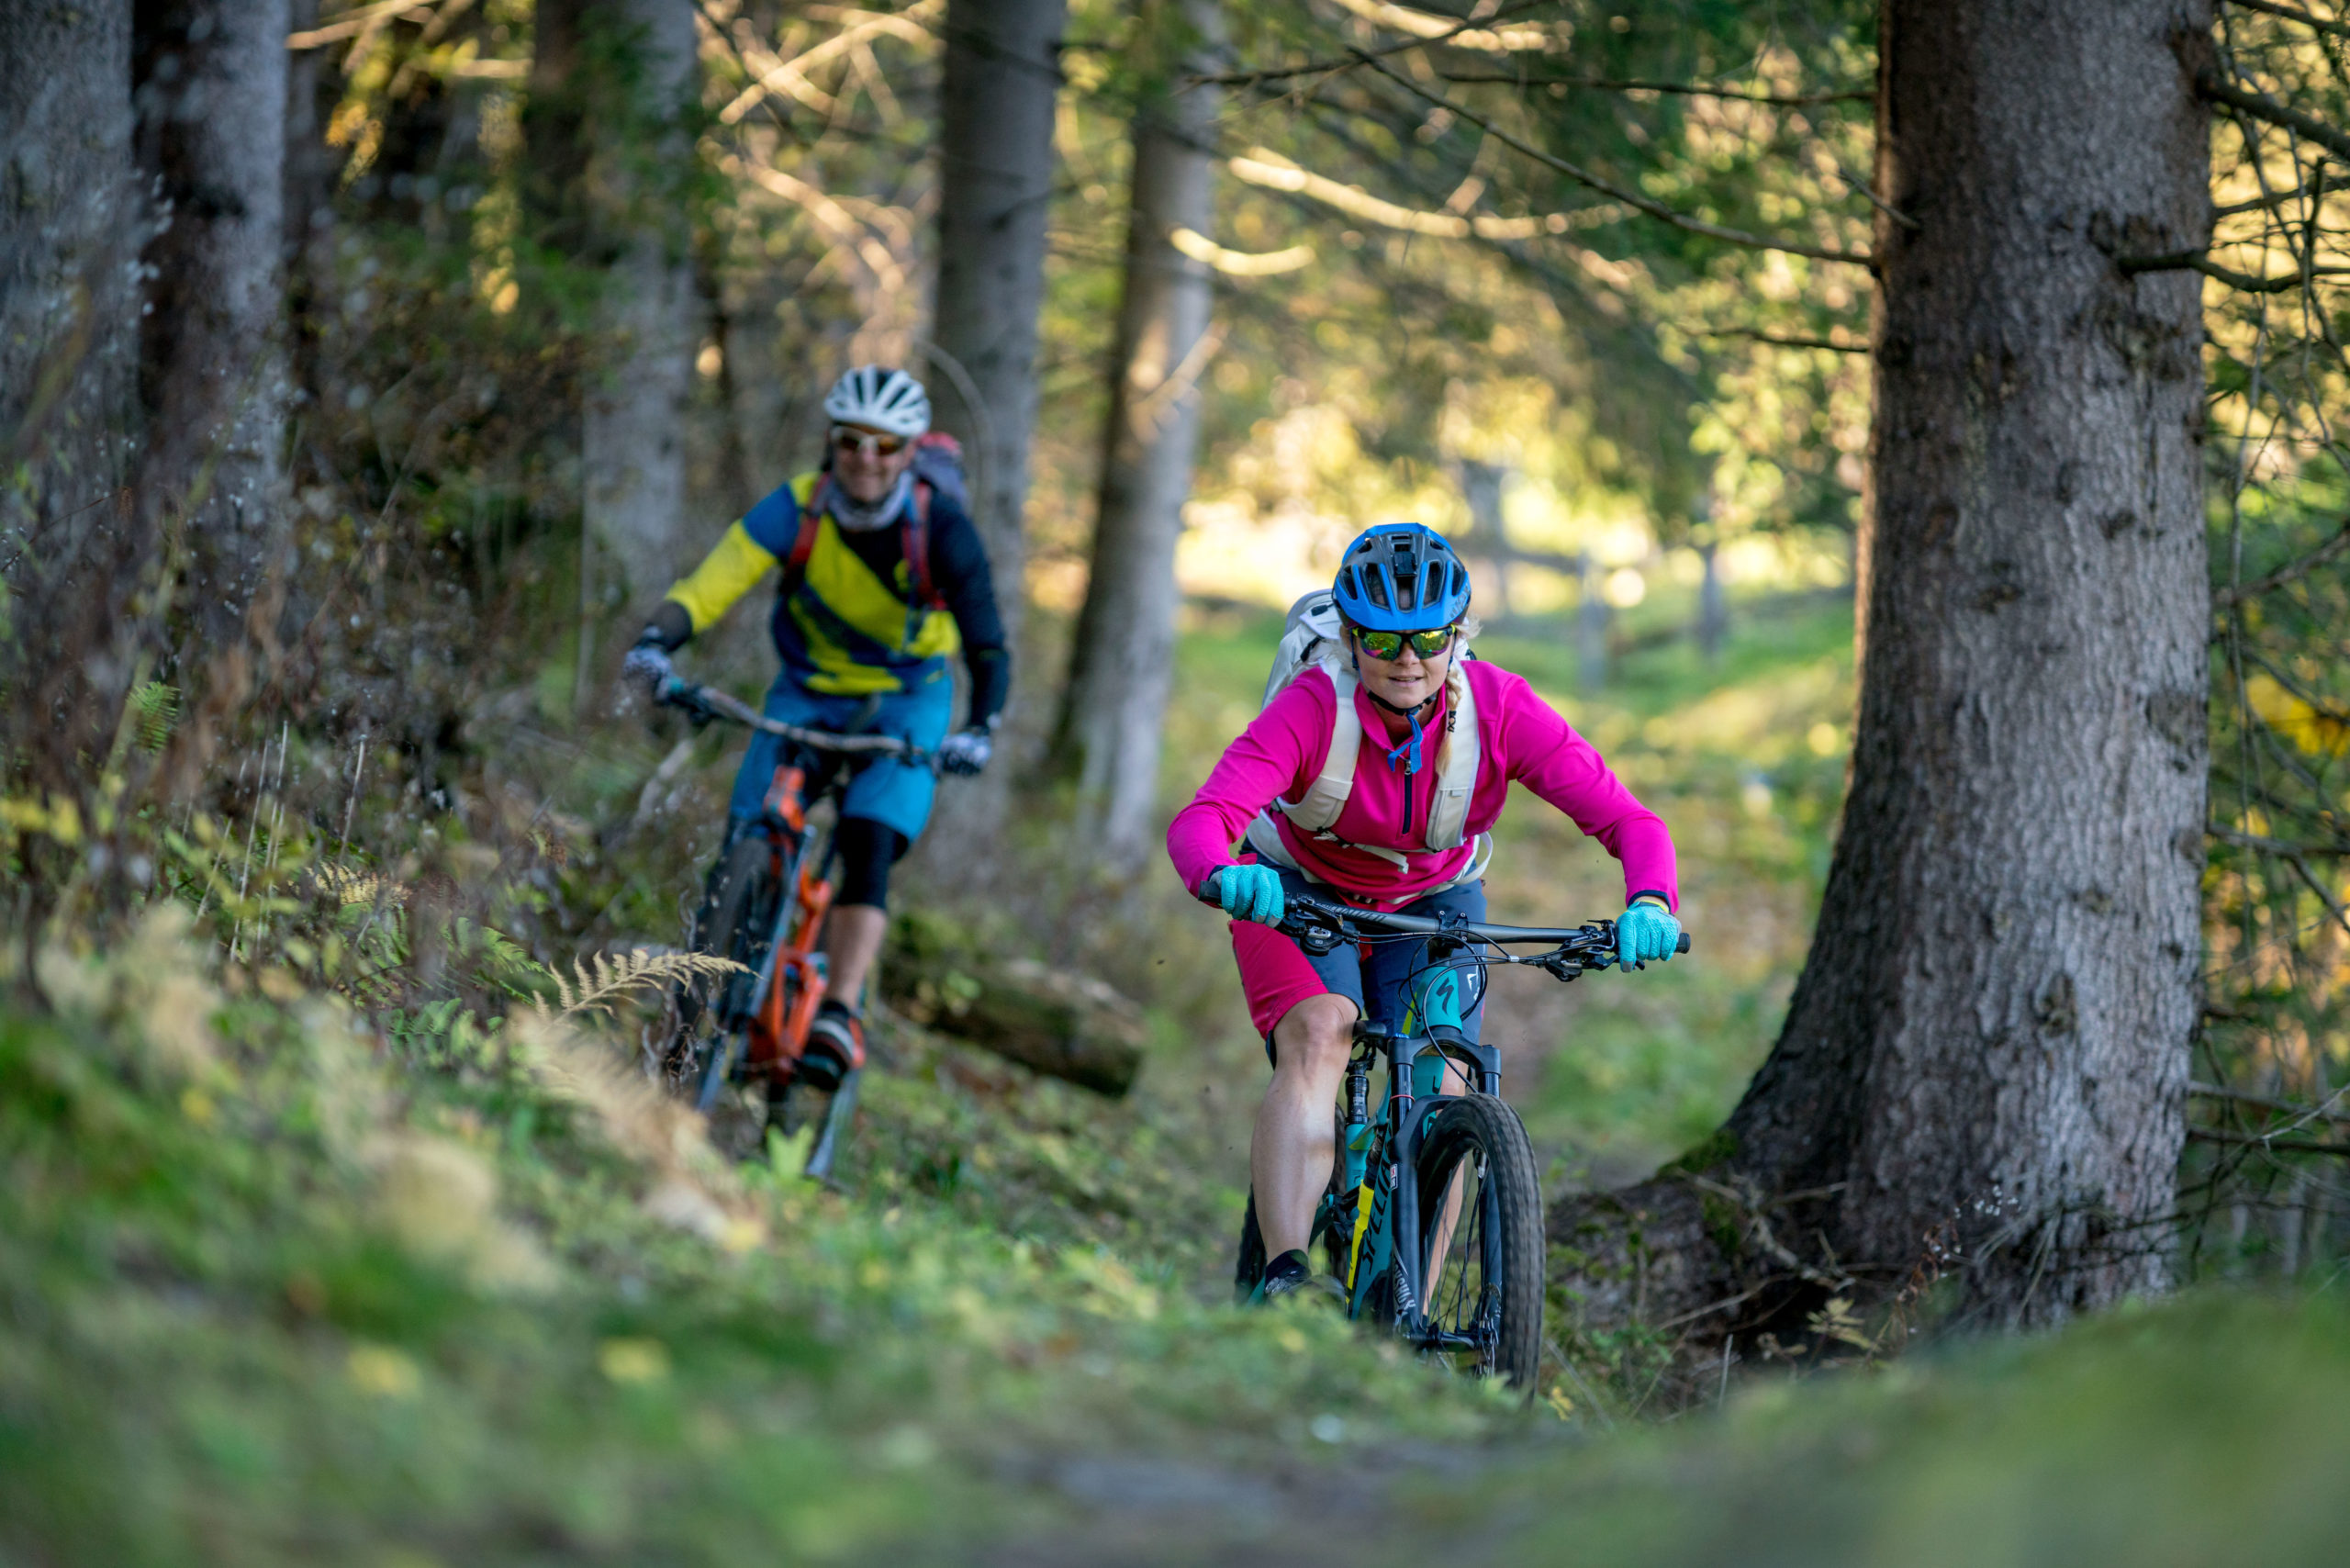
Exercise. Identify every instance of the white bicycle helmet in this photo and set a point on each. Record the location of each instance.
(879, 399)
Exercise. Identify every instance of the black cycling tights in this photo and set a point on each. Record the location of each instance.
(868, 850)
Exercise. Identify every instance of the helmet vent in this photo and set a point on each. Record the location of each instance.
(1401, 576)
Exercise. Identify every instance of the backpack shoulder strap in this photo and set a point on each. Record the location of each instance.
(915, 533)
(1319, 808)
(1458, 756)
(803, 543)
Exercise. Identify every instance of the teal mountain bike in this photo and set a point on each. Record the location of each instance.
(1432, 1224)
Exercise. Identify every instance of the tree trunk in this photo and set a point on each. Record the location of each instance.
(312, 86)
(1488, 545)
(211, 90)
(633, 437)
(72, 224)
(612, 82)
(1989, 1041)
(1713, 605)
(1590, 625)
(1121, 662)
(995, 140)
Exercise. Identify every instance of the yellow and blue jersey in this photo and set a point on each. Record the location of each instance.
(849, 623)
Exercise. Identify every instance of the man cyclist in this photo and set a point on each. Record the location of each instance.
(883, 579)
(1371, 778)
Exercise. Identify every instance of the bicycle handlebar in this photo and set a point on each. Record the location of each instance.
(709, 702)
(1349, 922)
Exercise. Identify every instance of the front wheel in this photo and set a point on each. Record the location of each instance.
(1481, 1213)
(737, 923)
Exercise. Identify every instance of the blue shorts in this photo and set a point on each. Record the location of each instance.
(882, 789)
(1374, 975)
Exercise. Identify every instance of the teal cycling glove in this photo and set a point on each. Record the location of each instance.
(1250, 892)
(1646, 931)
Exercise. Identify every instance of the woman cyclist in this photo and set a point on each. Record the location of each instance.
(1395, 820)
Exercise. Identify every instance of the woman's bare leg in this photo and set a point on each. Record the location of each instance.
(1291, 1153)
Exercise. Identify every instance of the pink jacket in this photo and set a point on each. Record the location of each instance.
(1521, 737)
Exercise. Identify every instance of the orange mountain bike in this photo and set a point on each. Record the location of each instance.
(764, 908)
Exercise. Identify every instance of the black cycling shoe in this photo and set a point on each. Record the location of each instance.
(1289, 1272)
(835, 1044)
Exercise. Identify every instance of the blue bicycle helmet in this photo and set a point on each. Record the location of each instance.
(1401, 576)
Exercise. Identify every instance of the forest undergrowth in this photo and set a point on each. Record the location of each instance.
(338, 1222)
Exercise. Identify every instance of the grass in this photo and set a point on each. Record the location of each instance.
(2205, 1429)
(279, 1296)
(280, 1286)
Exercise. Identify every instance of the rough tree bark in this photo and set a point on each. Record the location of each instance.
(1122, 661)
(72, 219)
(209, 85)
(1590, 625)
(312, 85)
(1713, 603)
(995, 140)
(1488, 546)
(612, 82)
(1989, 1040)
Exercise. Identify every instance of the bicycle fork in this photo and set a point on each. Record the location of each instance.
(1417, 1054)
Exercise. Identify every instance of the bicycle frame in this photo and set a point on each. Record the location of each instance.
(781, 1014)
(1433, 1035)
(1381, 1153)
(792, 980)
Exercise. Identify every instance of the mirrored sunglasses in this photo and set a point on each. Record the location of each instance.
(1389, 644)
(871, 443)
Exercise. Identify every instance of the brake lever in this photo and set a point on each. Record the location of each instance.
(686, 697)
(1317, 936)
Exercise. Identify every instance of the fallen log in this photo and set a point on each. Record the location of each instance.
(1068, 1026)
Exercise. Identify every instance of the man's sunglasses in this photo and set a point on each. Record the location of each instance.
(871, 443)
(1384, 645)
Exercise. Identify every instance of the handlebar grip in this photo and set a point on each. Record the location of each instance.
(1208, 894)
(1682, 945)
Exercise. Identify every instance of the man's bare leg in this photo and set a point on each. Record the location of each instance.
(1291, 1152)
(852, 939)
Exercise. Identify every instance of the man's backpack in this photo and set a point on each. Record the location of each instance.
(938, 463)
(1314, 638)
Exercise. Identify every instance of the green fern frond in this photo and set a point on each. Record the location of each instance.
(604, 979)
(155, 708)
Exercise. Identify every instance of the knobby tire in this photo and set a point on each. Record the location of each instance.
(1493, 1257)
(742, 912)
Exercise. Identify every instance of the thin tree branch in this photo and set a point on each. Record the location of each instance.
(2268, 1103)
(2253, 1141)
(2266, 845)
(2260, 106)
(2294, 14)
(1429, 28)
(2285, 574)
(1354, 58)
(2196, 262)
(2277, 199)
(1685, 89)
(1632, 198)
(1861, 185)
(1784, 339)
